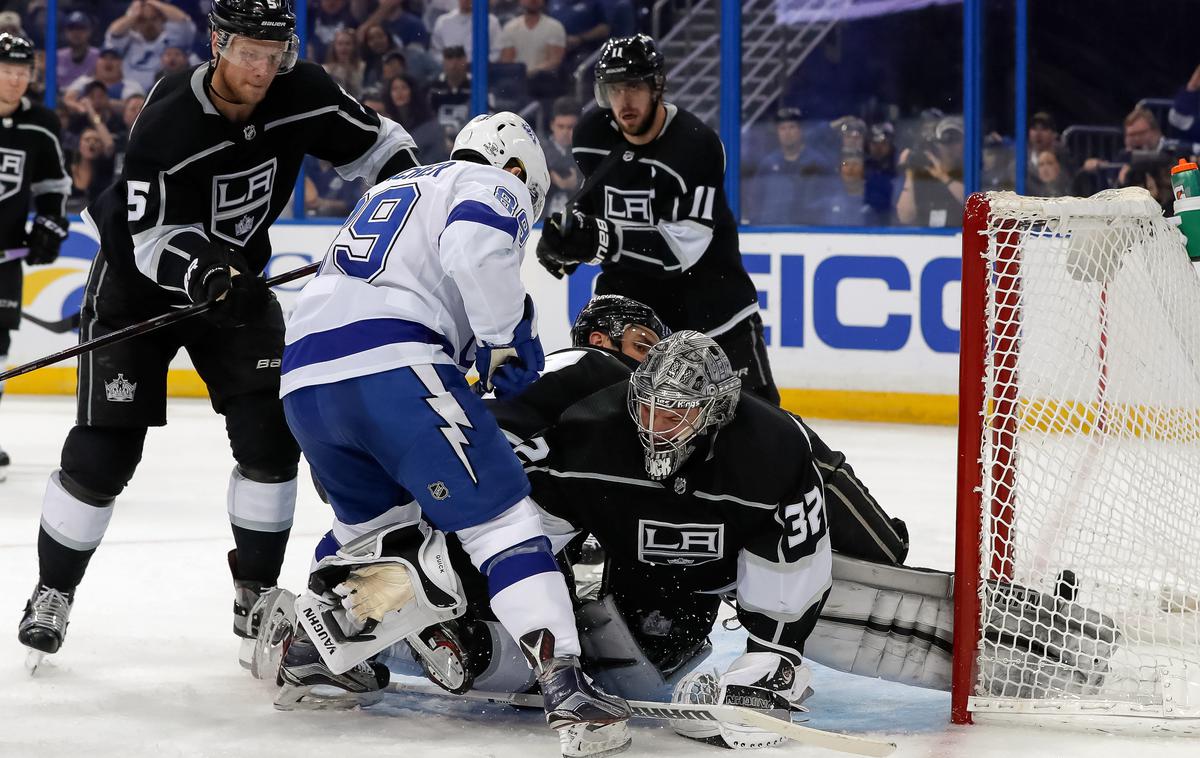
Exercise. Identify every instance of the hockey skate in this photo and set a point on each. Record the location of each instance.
(4, 462)
(443, 652)
(253, 607)
(589, 722)
(306, 683)
(44, 624)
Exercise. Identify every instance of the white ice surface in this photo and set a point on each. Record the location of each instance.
(149, 667)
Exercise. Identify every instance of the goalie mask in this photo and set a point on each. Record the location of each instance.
(256, 34)
(684, 389)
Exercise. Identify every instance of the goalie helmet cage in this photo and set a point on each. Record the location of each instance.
(1077, 567)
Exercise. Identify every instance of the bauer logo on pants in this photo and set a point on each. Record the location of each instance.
(664, 543)
(242, 201)
(12, 171)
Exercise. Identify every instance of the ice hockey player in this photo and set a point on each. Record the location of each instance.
(31, 168)
(211, 163)
(657, 220)
(423, 280)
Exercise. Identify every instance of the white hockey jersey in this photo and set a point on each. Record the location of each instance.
(427, 263)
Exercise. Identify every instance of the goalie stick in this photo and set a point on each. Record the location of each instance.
(844, 743)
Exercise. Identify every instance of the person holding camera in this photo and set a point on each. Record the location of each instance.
(933, 187)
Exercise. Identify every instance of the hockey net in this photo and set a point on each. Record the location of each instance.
(1078, 567)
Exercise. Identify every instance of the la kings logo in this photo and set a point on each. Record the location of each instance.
(629, 206)
(242, 201)
(12, 172)
(666, 544)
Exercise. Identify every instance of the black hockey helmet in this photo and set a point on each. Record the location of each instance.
(260, 19)
(630, 59)
(271, 20)
(15, 49)
(611, 315)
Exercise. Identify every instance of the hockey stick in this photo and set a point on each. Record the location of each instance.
(13, 253)
(614, 156)
(145, 327)
(732, 714)
(62, 326)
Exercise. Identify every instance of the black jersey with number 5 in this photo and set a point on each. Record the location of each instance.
(678, 238)
(194, 180)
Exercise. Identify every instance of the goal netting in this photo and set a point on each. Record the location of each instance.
(1079, 517)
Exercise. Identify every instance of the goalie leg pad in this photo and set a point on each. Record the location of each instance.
(891, 622)
(437, 596)
(703, 688)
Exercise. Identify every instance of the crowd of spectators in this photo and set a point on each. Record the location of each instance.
(409, 59)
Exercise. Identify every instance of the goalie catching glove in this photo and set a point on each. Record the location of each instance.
(762, 681)
(562, 247)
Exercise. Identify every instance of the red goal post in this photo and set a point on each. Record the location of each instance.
(1077, 566)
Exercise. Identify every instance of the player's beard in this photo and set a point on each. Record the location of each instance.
(643, 125)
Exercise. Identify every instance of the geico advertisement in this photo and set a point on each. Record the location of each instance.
(867, 312)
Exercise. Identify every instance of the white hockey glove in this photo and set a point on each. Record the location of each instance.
(375, 589)
(762, 681)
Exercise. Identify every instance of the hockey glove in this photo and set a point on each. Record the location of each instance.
(589, 239)
(45, 238)
(236, 298)
(373, 590)
(762, 681)
(509, 369)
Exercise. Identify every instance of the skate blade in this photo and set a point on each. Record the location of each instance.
(33, 659)
(278, 623)
(323, 698)
(584, 741)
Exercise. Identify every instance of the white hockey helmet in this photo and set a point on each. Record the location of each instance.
(503, 138)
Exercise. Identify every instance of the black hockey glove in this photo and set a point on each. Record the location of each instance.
(236, 297)
(45, 238)
(589, 239)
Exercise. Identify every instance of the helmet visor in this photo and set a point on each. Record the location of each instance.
(607, 92)
(258, 55)
(636, 340)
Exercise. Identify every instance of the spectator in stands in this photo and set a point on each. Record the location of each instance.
(1050, 179)
(376, 43)
(1043, 136)
(343, 62)
(77, 57)
(453, 29)
(325, 192)
(998, 164)
(845, 204)
(372, 97)
(586, 25)
(435, 9)
(405, 104)
(790, 181)
(91, 167)
(92, 108)
(394, 64)
(564, 174)
(879, 180)
(1142, 131)
(143, 32)
(933, 190)
(325, 19)
(1184, 115)
(172, 61)
(129, 113)
(450, 93)
(538, 41)
(111, 73)
(1142, 134)
(400, 22)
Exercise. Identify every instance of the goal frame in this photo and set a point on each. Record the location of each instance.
(995, 419)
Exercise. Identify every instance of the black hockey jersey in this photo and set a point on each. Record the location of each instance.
(31, 165)
(678, 249)
(193, 179)
(749, 518)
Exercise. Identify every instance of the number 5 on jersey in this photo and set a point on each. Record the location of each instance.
(368, 235)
